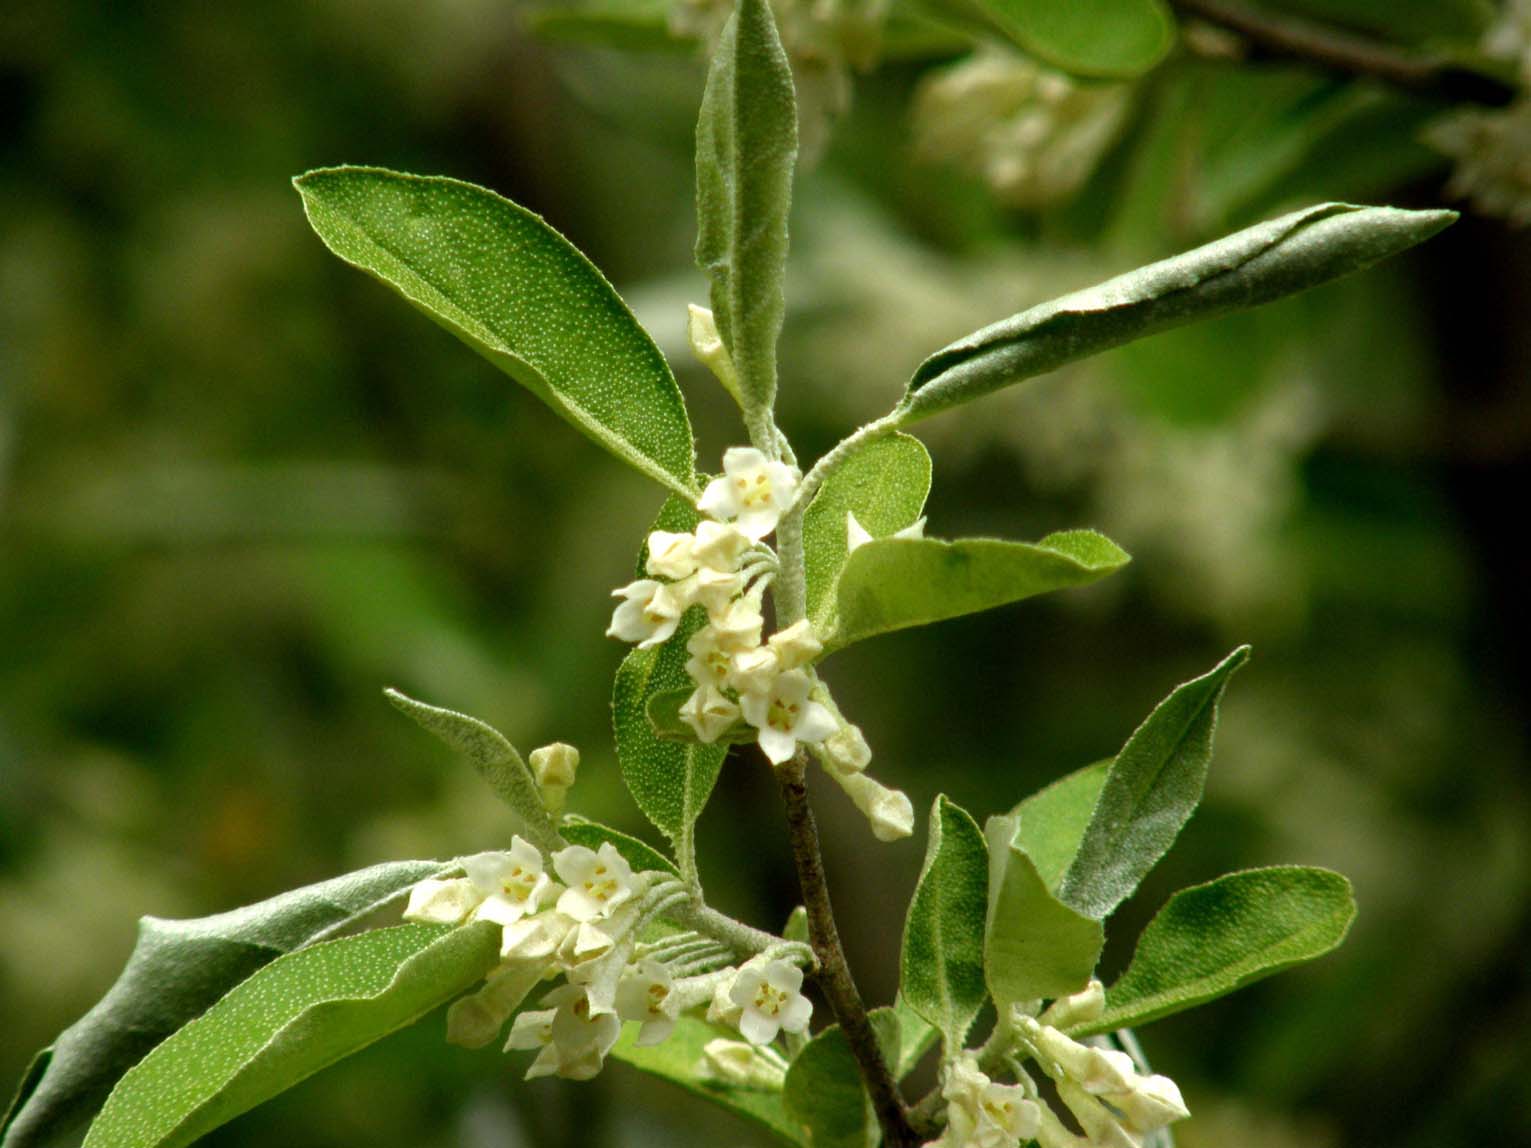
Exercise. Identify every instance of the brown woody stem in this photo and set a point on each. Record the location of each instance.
(834, 975)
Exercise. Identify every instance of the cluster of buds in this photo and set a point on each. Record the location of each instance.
(582, 927)
(1032, 134)
(1114, 1104)
(724, 567)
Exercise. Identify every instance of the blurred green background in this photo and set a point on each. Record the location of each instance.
(242, 489)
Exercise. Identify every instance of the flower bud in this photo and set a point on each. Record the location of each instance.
(888, 810)
(1077, 1008)
(739, 1064)
(846, 749)
(554, 767)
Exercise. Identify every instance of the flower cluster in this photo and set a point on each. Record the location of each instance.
(724, 567)
(583, 926)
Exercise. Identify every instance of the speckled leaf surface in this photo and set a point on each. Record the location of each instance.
(894, 583)
(299, 1014)
(884, 484)
(676, 1060)
(1211, 939)
(1152, 788)
(670, 780)
(1035, 947)
(1052, 821)
(1250, 267)
(824, 1093)
(496, 761)
(639, 854)
(746, 144)
(176, 971)
(941, 974)
(515, 290)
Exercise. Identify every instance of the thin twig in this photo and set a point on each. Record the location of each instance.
(834, 975)
(1273, 37)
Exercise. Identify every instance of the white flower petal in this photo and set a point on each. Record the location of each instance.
(441, 902)
(776, 745)
(814, 723)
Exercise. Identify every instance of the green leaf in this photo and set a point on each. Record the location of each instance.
(1053, 820)
(916, 1036)
(664, 716)
(941, 965)
(497, 763)
(518, 293)
(670, 780)
(1151, 790)
(299, 1014)
(884, 484)
(1035, 946)
(176, 971)
(894, 583)
(630, 25)
(1088, 37)
(746, 143)
(639, 854)
(1214, 938)
(824, 1094)
(676, 1059)
(1247, 268)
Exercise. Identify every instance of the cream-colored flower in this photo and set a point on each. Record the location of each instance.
(671, 555)
(983, 1114)
(646, 994)
(598, 881)
(795, 646)
(710, 663)
(753, 491)
(511, 884)
(709, 713)
(648, 613)
(572, 1035)
(889, 811)
(738, 628)
(847, 750)
(720, 546)
(769, 997)
(785, 716)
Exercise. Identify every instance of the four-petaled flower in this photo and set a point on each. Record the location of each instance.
(646, 994)
(709, 713)
(768, 995)
(573, 1035)
(752, 492)
(983, 1114)
(785, 716)
(648, 614)
(597, 881)
(499, 887)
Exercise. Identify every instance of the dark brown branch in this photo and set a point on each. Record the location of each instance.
(1272, 37)
(834, 975)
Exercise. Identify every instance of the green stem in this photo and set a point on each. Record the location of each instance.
(742, 938)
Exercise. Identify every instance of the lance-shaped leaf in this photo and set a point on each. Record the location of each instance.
(746, 142)
(639, 854)
(497, 763)
(1087, 37)
(1214, 938)
(670, 780)
(1035, 946)
(520, 294)
(916, 1036)
(894, 583)
(299, 1014)
(1052, 821)
(1247, 268)
(824, 1092)
(176, 971)
(679, 1059)
(1151, 790)
(941, 965)
(884, 484)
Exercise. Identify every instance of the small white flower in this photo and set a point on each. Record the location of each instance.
(847, 750)
(509, 883)
(719, 546)
(983, 1114)
(709, 713)
(857, 536)
(646, 994)
(753, 490)
(598, 881)
(1155, 1102)
(670, 555)
(649, 613)
(555, 764)
(536, 938)
(785, 716)
(889, 811)
(714, 589)
(573, 1035)
(710, 663)
(769, 998)
(796, 645)
(435, 902)
(753, 671)
(1076, 1008)
(738, 628)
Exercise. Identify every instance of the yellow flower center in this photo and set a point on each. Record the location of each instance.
(769, 999)
(782, 715)
(754, 490)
